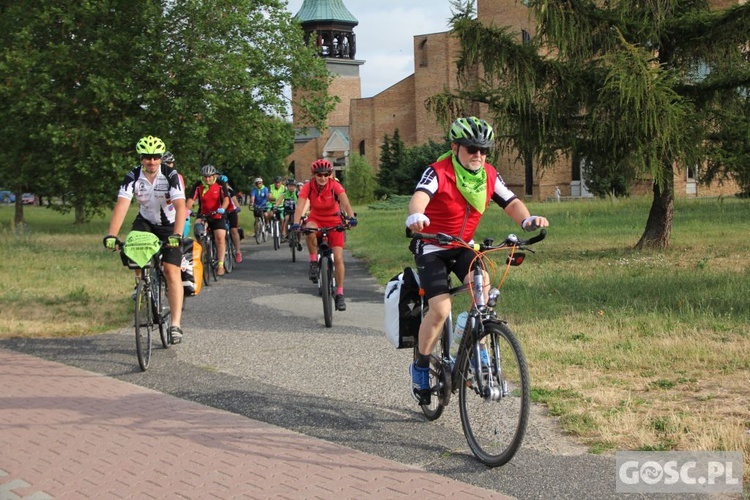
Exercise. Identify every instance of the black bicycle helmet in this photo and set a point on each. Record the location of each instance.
(291, 182)
(207, 170)
(277, 179)
(167, 158)
(472, 131)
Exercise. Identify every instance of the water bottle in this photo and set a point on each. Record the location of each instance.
(458, 332)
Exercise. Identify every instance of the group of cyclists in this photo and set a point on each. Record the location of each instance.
(450, 197)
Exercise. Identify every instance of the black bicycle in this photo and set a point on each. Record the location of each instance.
(276, 226)
(326, 272)
(151, 306)
(489, 370)
(209, 257)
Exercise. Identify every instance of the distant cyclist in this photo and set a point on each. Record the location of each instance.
(290, 205)
(214, 201)
(329, 204)
(233, 216)
(168, 160)
(162, 211)
(259, 199)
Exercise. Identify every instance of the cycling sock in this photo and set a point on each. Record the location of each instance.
(313, 257)
(423, 361)
(339, 290)
(221, 263)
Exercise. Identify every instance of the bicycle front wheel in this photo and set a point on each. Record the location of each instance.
(144, 324)
(276, 234)
(293, 245)
(494, 394)
(214, 260)
(229, 253)
(162, 313)
(326, 276)
(258, 229)
(206, 260)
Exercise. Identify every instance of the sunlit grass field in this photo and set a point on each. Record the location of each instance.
(632, 350)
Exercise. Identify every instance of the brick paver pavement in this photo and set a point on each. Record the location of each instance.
(69, 433)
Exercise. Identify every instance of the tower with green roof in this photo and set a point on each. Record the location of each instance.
(329, 27)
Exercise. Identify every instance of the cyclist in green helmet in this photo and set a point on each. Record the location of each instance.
(451, 198)
(161, 196)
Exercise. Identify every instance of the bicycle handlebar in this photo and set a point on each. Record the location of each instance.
(510, 241)
(311, 230)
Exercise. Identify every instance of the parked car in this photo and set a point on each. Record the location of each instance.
(28, 199)
(7, 197)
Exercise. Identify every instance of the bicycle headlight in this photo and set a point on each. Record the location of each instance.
(492, 297)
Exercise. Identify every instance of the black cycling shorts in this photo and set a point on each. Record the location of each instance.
(215, 224)
(168, 255)
(234, 220)
(433, 269)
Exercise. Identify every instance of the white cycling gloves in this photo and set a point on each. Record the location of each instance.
(529, 223)
(415, 218)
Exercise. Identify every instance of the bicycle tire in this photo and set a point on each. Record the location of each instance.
(162, 312)
(214, 260)
(264, 233)
(229, 253)
(206, 259)
(440, 376)
(276, 235)
(258, 227)
(293, 244)
(325, 290)
(144, 324)
(494, 423)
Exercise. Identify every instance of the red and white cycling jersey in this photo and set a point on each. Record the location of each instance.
(155, 198)
(448, 210)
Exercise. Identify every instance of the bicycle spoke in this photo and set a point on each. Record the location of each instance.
(494, 399)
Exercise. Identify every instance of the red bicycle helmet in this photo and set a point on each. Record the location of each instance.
(321, 165)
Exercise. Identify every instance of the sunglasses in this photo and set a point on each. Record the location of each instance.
(208, 176)
(151, 157)
(322, 174)
(472, 150)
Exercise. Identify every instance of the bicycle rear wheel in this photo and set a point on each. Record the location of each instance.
(144, 324)
(162, 313)
(495, 409)
(326, 275)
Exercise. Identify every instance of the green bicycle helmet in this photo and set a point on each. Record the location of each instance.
(150, 145)
(472, 131)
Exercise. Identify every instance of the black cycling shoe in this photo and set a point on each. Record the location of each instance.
(313, 274)
(340, 304)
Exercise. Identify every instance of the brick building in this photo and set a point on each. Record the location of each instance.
(401, 107)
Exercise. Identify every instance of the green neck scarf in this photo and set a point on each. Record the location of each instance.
(471, 185)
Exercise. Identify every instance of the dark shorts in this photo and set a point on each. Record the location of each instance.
(234, 220)
(215, 224)
(168, 255)
(335, 238)
(434, 268)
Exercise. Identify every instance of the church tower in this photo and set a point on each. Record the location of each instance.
(329, 27)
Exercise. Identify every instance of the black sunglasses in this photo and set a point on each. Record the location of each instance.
(472, 150)
(151, 157)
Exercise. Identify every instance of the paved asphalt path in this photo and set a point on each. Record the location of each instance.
(255, 345)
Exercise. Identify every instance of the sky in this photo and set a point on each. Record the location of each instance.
(385, 36)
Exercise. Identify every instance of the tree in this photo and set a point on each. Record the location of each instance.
(615, 80)
(391, 156)
(82, 81)
(360, 180)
